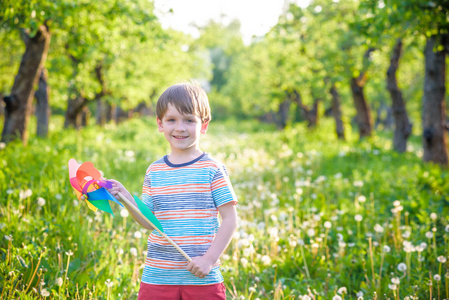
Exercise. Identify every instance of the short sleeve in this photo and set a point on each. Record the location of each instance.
(146, 192)
(222, 191)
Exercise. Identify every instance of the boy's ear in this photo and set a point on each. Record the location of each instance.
(159, 124)
(204, 127)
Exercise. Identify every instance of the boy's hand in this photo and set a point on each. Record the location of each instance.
(118, 187)
(200, 266)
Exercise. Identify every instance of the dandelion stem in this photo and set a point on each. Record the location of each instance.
(305, 262)
(372, 261)
(35, 271)
(66, 271)
(380, 270)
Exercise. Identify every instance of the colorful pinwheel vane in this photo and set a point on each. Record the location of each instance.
(88, 182)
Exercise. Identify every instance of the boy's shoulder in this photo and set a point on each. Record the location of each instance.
(154, 164)
(210, 160)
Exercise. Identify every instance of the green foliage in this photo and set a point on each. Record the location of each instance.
(309, 207)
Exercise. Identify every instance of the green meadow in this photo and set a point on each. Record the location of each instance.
(318, 218)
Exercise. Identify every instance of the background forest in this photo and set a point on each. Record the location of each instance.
(333, 126)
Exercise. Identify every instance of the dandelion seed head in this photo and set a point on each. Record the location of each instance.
(392, 286)
(40, 201)
(266, 260)
(441, 259)
(133, 251)
(124, 213)
(59, 281)
(437, 277)
(402, 267)
(358, 218)
(342, 290)
(45, 293)
(395, 280)
(429, 234)
(433, 216)
(358, 183)
(311, 232)
(361, 199)
(327, 224)
(378, 228)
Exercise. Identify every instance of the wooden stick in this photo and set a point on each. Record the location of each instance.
(137, 211)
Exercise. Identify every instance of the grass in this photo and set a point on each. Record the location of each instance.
(319, 218)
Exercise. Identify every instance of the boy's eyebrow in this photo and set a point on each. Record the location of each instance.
(184, 115)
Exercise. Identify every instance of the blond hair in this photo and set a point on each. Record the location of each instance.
(188, 98)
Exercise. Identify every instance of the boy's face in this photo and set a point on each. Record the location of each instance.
(182, 131)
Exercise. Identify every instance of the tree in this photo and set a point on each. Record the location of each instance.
(430, 19)
(18, 103)
(403, 127)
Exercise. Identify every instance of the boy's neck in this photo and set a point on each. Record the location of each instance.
(182, 157)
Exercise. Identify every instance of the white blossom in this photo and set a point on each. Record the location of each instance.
(109, 283)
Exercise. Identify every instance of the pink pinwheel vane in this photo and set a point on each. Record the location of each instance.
(88, 182)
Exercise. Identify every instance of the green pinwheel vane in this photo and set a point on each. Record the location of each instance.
(90, 186)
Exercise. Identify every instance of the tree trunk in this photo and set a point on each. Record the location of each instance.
(311, 115)
(72, 114)
(102, 106)
(2, 105)
(84, 116)
(434, 111)
(403, 127)
(101, 113)
(336, 112)
(363, 110)
(361, 105)
(42, 107)
(282, 115)
(18, 104)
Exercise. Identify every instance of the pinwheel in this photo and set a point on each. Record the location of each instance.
(91, 186)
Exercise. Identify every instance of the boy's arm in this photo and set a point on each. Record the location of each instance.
(117, 187)
(200, 266)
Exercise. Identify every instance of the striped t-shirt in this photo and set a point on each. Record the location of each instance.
(185, 198)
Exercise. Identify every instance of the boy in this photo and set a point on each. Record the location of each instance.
(186, 190)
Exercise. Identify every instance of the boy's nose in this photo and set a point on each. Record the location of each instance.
(179, 127)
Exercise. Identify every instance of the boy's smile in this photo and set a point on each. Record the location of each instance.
(182, 131)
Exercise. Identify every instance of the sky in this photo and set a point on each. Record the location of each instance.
(256, 16)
